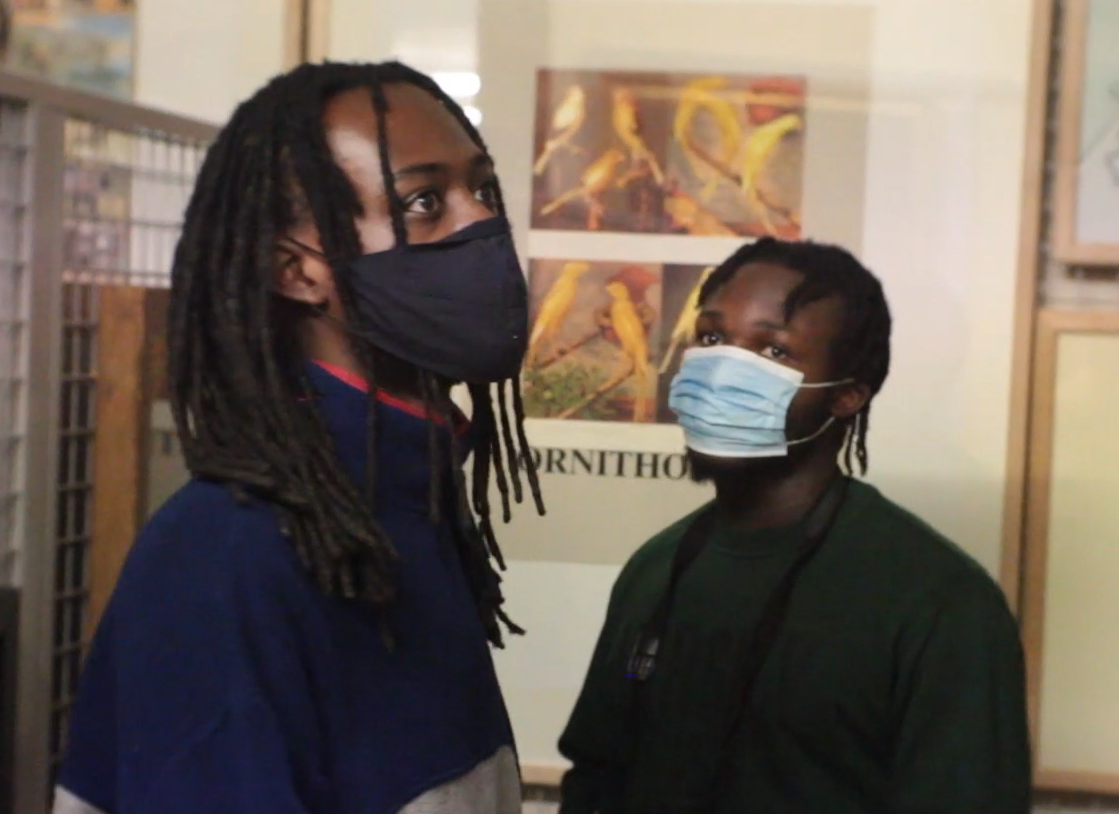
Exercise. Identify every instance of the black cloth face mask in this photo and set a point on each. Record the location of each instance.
(457, 307)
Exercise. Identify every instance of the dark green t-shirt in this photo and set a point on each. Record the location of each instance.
(895, 686)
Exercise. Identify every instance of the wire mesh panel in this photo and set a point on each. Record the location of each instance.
(125, 193)
(74, 501)
(13, 320)
(125, 196)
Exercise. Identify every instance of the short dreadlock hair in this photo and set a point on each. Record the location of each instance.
(862, 350)
(243, 406)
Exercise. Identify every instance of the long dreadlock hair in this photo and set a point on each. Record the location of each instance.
(244, 409)
(862, 349)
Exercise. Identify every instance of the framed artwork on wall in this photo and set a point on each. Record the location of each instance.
(85, 44)
(1086, 193)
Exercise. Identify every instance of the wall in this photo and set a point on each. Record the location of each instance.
(200, 58)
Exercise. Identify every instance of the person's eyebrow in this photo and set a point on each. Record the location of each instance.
(770, 325)
(480, 161)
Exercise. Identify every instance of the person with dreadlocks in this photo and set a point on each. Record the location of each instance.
(305, 627)
(801, 644)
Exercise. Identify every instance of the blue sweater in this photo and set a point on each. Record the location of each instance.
(223, 680)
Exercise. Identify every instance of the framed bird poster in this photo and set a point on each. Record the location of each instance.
(1086, 200)
(607, 337)
(668, 153)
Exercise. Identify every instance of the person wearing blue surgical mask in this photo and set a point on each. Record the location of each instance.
(800, 644)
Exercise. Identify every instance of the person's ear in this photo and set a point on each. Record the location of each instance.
(849, 399)
(303, 276)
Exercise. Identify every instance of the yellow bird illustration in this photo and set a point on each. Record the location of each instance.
(555, 307)
(700, 96)
(686, 213)
(567, 121)
(760, 147)
(630, 331)
(596, 179)
(628, 129)
(684, 330)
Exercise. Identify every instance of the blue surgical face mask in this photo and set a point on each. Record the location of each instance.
(733, 403)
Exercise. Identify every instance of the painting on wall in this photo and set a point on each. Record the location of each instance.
(1087, 180)
(606, 338)
(86, 44)
(668, 153)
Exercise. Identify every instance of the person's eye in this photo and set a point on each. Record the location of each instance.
(707, 339)
(775, 352)
(427, 203)
(487, 195)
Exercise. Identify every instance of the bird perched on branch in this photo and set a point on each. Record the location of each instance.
(567, 121)
(596, 179)
(627, 126)
(684, 330)
(555, 308)
(630, 331)
(760, 148)
(687, 213)
(697, 97)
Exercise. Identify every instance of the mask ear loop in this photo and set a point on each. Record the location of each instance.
(819, 385)
(396, 206)
(831, 419)
(826, 426)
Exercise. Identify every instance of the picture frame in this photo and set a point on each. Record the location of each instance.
(1086, 186)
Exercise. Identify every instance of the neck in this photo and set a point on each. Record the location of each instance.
(780, 494)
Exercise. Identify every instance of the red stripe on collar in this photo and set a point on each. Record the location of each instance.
(462, 423)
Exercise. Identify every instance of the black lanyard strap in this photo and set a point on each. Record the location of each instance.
(644, 657)
(817, 524)
(816, 528)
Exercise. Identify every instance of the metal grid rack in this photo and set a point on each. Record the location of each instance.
(92, 193)
(124, 196)
(14, 316)
(13, 321)
(77, 421)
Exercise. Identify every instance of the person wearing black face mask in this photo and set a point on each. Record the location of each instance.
(304, 627)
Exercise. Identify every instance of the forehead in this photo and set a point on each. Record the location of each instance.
(420, 130)
(756, 295)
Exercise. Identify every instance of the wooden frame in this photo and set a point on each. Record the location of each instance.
(1051, 325)
(1032, 391)
(306, 31)
(295, 27)
(318, 30)
(130, 371)
(1025, 303)
(1066, 245)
